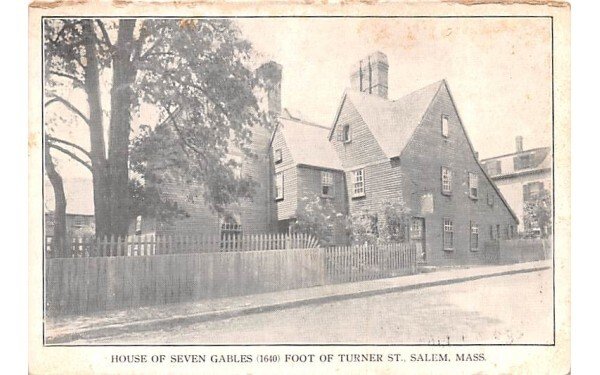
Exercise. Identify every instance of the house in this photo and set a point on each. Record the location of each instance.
(305, 165)
(521, 176)
(79, 218)
(413, 151)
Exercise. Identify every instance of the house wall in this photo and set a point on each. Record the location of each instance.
(309, 184)
(512, 190)
(383, 177)
(363, 149)
(421, 163)
(284, 208)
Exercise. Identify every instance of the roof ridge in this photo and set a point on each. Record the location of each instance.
(423, 88)
(517, 153)
(304, 122)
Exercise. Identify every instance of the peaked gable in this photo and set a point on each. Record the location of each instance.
(445, 90)
(307, 143)
(392, 123)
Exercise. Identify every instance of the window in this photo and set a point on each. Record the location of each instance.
(511, 231)
(138, 224)
(490, 198)
(277, 157)
(78, 222)
(532, 190)
(358, 183)
(279, 186)
(448, 234)
(346, 134)
(494, 167)
(445, 129)
(326, 184)
(446, 181)
(473, 185)
(492, 233)
(523, 161)
(474, 237)
(497, 231)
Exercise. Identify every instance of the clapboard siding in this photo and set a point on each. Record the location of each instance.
(421, 163)
(363, 148)
(383, 183)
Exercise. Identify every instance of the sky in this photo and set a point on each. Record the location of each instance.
(498, 70)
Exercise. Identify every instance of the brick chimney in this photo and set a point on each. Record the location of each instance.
(370, 75)
(519, 143)
(269, 74)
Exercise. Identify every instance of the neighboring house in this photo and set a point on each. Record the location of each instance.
(521, 176)
(79, 217)
(305, 165)
(415, 150)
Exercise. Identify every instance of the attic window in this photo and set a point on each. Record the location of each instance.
(473, 186)
(277, 156)
(445, 130)
(346, 134)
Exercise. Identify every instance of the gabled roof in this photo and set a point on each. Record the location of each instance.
(540, 157)
(392, 122)
(308, 144)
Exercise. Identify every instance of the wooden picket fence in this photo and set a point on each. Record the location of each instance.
(358, 263)
(83, 285)
(143, 245)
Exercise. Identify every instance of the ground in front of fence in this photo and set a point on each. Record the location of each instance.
(510, 309)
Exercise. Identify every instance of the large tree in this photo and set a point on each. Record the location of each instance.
(194, 72)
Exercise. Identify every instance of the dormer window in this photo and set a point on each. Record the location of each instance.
(445, 128)
(277, 156)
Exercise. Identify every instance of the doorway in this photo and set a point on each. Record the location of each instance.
(417, 235)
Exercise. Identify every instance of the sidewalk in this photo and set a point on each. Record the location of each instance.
(67, 329)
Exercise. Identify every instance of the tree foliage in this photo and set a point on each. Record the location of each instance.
(195, 73)
(537, 214)
(387, 222)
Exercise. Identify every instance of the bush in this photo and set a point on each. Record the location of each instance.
(386, 223)
(318, 217)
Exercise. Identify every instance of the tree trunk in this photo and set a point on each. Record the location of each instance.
(60, 205)
(120, 123)
(97, 145)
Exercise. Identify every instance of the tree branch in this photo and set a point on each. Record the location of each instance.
(104, 34)
(72, 155)
(76, 146)
(78, 81)
(203, 91)
(182, 137)
(142, 56)
(69, 105)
